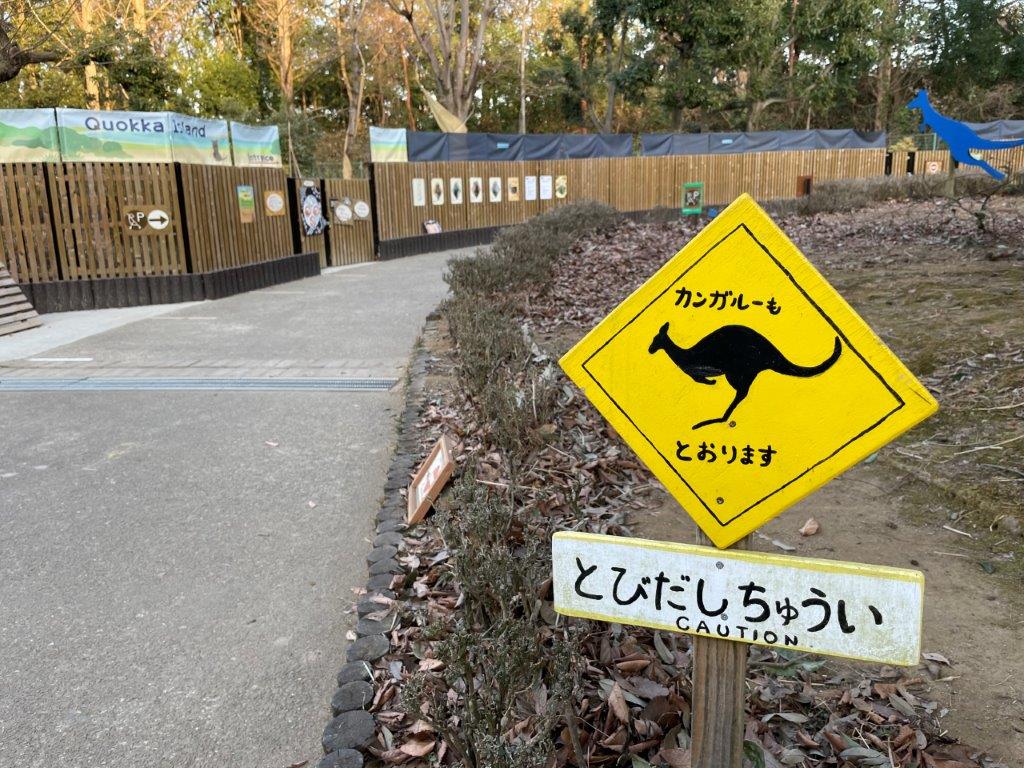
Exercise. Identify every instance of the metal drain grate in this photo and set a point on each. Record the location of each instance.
(107, 385)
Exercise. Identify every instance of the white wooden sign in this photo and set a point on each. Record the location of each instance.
(866, 612)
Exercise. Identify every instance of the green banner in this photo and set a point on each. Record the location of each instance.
(198, 141)
(87, 135)
(28, 136)
(256, 145)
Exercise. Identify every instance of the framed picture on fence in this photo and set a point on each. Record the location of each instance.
(455, 191)
(476, 189)
(530, 188)
(561, 187)
(246, 203)
(419, 192)
(545, 187)
(494, 189)
(273, 202)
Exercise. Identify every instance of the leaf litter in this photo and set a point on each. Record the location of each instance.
(632, 705)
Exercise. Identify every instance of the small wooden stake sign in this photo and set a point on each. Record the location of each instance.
(429, 480)
(744, 382)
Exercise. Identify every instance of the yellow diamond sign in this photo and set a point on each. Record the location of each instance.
(742, 378)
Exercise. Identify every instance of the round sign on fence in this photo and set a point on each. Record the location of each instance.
(343, 213)
(274, 203)
(362, 209)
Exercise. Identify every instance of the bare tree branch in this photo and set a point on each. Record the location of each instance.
(14, 58)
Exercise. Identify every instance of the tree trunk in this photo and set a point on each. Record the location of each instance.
(883, 90)
(286, 51)
(408, 90)
(455, 53)
(792, 57)
(609, 111)
(92, 86)
(522, 75)
(140, 17)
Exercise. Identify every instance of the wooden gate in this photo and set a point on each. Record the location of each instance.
(91, 203)
(351, 241)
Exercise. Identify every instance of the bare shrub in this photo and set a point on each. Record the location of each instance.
(850, 194)
(504, 664)
(521, 256)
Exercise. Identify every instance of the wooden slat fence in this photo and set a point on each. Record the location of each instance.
(89, 204)
(218, 236)
(349, 243)
(26, 233)
(66, 221)
(922, 160)
(627, 183)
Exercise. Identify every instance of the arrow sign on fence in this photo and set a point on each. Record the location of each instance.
(158, 219)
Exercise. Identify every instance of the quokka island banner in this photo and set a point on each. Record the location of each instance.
(258, 146)
(28, 136)
(90, 136)
(84, 135)
(198, 141)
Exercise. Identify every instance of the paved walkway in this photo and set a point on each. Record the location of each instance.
(176, 566)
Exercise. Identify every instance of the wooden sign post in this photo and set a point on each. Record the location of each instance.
(718, 701)
(744, 382)
(429, 480)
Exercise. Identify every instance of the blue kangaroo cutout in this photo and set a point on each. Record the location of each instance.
(959, 137)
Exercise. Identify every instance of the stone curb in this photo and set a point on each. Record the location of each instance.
(352, 729)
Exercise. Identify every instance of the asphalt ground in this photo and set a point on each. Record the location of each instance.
(175, 566)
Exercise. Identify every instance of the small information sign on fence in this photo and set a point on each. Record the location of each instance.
(693, 198)
(146, 220)
(246, 203)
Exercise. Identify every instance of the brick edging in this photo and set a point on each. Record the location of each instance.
(352, 728)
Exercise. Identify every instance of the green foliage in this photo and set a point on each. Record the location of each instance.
(976, 52)
(136, 77)
(221, 84)
(631, 65)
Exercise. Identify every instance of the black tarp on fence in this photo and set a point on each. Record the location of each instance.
(999, 130)
(758, 141)
(431, 146)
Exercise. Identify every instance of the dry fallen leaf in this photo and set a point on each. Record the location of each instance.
(618, 705)
(810, 528)
(419, 746)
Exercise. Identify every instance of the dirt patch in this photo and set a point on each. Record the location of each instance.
(969, 617)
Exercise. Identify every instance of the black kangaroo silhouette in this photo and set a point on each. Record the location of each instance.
(738, 353)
